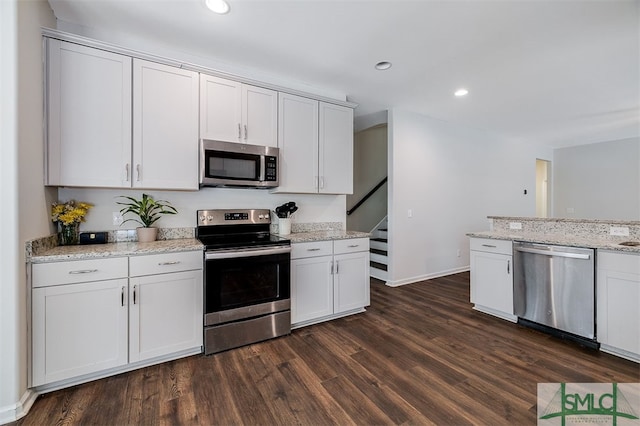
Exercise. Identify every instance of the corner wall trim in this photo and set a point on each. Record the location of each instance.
(13, 412)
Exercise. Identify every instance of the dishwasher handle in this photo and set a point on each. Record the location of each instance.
(553, 253)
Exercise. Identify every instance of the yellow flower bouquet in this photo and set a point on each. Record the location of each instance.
(69, 215)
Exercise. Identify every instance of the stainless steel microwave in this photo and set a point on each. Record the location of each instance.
(237, 164)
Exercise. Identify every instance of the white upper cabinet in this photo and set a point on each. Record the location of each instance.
(316, 146)
(298, 143)
(94, 136)
(89, 116)
(335, 149)
(235, 112)
(165, 126)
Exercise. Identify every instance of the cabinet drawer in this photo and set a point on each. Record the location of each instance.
(491, 246)
(166, 262)
(317, 248)
(78, 271)
(351, 245)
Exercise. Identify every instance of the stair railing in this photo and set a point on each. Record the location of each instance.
(366, 197)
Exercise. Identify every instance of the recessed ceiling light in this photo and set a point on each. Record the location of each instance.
(218, 6)
(461, 92)
(384, 65)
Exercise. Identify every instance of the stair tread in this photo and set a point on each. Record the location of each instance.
(382, 240)
(378, 265)
(378, 251)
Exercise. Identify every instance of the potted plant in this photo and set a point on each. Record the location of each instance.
(148, 211)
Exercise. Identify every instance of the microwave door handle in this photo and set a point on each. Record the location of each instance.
(262, 176)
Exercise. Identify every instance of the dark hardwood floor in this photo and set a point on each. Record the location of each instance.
(419, 355)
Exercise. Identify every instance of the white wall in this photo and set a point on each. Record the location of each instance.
(23, 215)
(369, 168)
(312, 208)
(598, 181)
(451, 178)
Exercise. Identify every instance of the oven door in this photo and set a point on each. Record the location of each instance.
(244, 283)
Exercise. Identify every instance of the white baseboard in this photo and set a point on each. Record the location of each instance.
(425, 277)
(13, 412)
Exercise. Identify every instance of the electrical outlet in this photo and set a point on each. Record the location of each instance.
(515, 225)
(458, 253)
(117, 218)
(409, 213)
(619, 230)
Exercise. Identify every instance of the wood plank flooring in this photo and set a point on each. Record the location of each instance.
(419, 355)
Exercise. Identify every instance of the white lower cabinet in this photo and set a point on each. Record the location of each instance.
(78, 329)
(83, 324)
(165, 314)
(328, 279)
(492, 277)
(618, 303)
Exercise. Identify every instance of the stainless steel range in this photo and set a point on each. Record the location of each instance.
(246, 279)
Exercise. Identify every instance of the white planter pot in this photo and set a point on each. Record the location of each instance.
(146, 235)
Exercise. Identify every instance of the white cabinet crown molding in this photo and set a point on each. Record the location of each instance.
(85, 41)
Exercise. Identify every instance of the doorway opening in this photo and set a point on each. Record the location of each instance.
(543, 188)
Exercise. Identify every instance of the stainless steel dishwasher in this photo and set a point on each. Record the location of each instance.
(554, 289)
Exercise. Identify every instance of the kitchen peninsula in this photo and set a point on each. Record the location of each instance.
(615, 276)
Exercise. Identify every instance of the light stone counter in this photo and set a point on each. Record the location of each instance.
(560, 239)
(93, 251)
(566, 232)
(308, 237)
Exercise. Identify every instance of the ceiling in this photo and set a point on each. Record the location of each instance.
(557, 73)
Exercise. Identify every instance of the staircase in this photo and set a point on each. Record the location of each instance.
(378, 251)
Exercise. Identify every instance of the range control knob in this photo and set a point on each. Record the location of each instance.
(209, 217)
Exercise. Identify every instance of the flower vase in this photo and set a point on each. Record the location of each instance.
(69, 234)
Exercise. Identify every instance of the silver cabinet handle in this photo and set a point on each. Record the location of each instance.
(138, 170)
(508, 267)
(313, 249)
(175, 262)
(239, 132)
(134, 294)
(126, 172)
(488, 245)
(246, 133)
(316, 182)
(337, 267)
(122, 297)
(353, 245)
(321, 182)
(331, 268)
(83, 271)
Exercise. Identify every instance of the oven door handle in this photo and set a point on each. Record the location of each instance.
(245, 253)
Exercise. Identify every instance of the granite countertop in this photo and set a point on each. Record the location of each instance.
(308, 237)
(606, 243)
(93, 251)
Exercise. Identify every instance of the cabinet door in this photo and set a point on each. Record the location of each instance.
(165, 314)
(78, 329)
(618, 301)
(259, 116)
(89, 117)
(165, 127)
(311, 288)
(351, 281)
(220, 109)
(298, 143)
(336, 149)
(492, 281)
